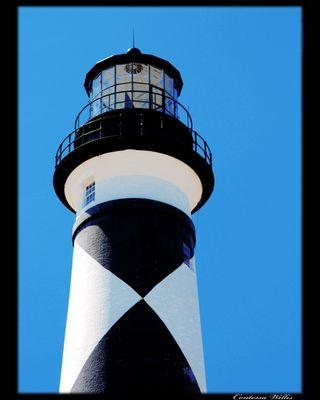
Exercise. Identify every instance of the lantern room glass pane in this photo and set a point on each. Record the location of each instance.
(169, 106)
(124, 87)
(108, 99)
(108, 77)
(119, 100)
(141, 94)
(175, 106)
(156, 76)
(141, 100)
(141, 87)
(124, 95)
(122, 76)
(96, 86)
(95, 108)
(168, 85)
(175, 92)
(157, 99)
(140, 72)
(124, 100)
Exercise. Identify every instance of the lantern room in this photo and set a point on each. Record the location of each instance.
(133, 80)
(133, 105)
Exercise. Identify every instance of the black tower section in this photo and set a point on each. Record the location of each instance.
(141, 242)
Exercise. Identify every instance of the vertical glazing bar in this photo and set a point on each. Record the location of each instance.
(131, 85)
(115, 87)
(100, 92)
(100, 102)
(163, 94)
(163, 99)
(100, 83)
(149, 83)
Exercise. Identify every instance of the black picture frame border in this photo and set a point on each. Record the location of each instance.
(10, 80)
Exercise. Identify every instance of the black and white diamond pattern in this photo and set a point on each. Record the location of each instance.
(133, 320)
(115, 244)
(98, 299)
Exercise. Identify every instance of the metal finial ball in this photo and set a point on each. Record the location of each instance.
(133, 51)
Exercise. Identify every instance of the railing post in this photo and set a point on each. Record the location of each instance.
(154, 92)
(69, 140)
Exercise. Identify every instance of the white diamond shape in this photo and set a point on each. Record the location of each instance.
(98, 298)
(175, 300)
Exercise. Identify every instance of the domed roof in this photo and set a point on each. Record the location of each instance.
(134, 51)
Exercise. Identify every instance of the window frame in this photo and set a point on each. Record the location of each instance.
(89, 192)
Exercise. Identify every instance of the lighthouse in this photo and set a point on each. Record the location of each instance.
(133, 170)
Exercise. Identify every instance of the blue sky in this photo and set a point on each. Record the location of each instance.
(242, 83)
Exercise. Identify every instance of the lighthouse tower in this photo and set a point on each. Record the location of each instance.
(133, 171)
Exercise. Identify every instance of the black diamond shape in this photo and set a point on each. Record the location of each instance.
(137, 355)
(140, 246)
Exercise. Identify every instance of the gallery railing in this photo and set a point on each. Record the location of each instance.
(153, 99)
(72, 141)
(89, 127)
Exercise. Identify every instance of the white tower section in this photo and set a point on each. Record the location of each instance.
(135, 174)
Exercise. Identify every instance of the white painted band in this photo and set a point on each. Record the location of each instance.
(134, 174)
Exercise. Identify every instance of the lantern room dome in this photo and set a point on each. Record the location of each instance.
(134, 51)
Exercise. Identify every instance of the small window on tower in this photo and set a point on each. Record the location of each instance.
(90, 193)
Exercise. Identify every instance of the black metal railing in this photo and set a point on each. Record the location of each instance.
(93, 128)
(154, 98)
(201, 147)
(72, 142)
